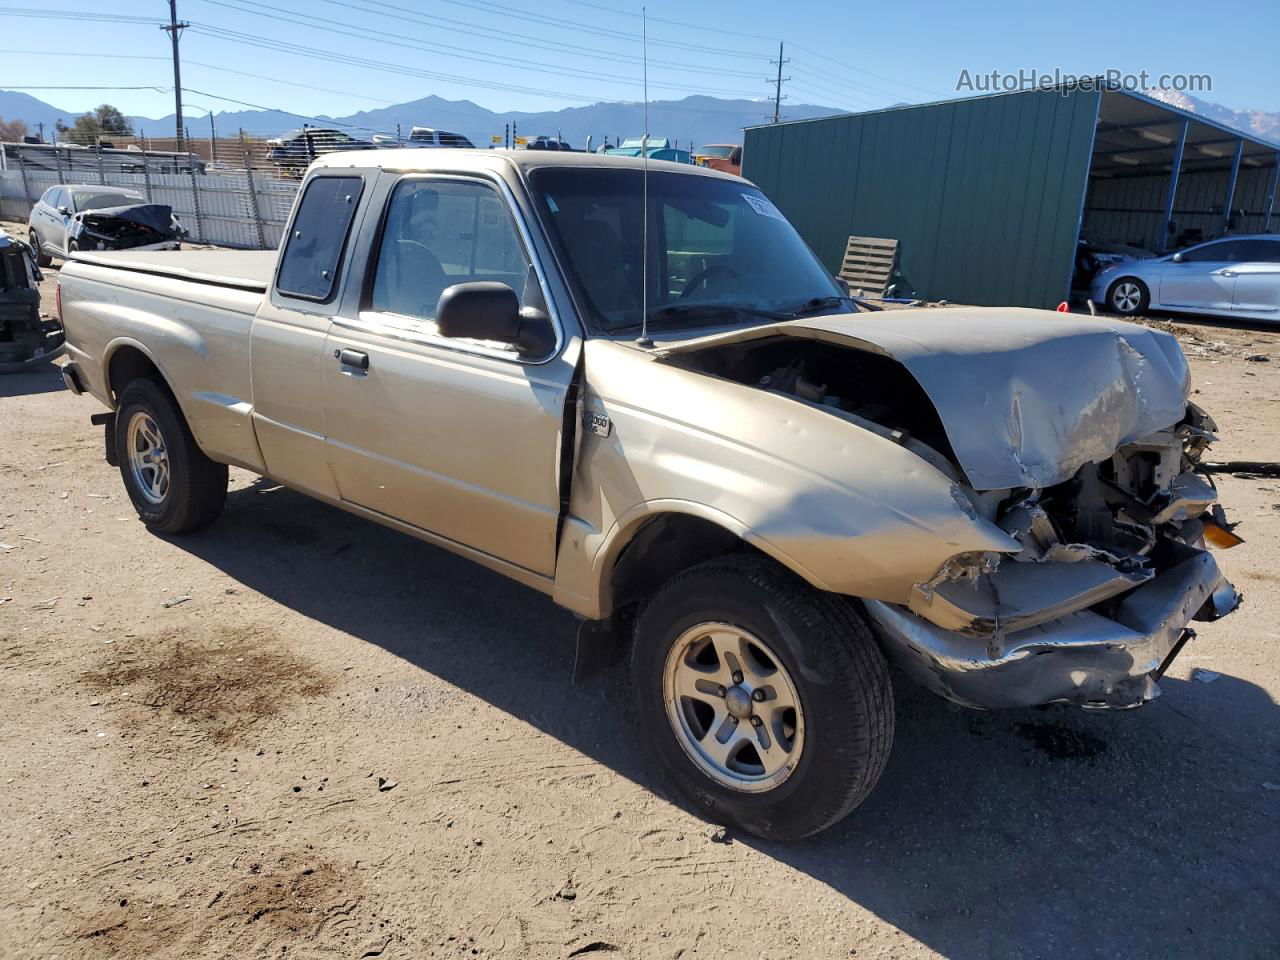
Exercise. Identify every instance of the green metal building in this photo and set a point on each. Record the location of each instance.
(987, 196)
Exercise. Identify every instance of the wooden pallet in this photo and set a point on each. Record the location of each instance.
(868, 264)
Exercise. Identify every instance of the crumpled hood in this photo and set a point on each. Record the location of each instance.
(1026, 397)
(157, 216)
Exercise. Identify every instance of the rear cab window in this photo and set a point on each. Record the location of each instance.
(318, 238)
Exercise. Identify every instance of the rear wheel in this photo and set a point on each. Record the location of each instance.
(42, 258)
(1129, 296)
(766, 700)
(174, 487)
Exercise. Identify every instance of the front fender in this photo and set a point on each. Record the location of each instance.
(850, 511)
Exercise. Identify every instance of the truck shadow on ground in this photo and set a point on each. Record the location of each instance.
(45, 378)
(1021, 833)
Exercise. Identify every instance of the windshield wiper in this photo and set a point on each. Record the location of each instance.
(820, 303)
(708, 311)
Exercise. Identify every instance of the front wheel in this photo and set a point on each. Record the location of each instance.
(174, 487)
(767, 701)
(42, 259)
(1129, 296)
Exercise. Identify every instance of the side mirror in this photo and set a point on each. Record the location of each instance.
(1177, 257)
(484, 310)
(65, 211)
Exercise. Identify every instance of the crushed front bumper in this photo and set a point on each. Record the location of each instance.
(1084, 658)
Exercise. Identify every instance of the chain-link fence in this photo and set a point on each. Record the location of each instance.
(230, 192)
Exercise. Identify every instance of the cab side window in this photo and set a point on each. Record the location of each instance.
(441, 232)
(318, 237)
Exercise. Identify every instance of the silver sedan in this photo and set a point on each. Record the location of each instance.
(1231, 277)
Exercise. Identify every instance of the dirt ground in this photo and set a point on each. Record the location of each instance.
(297, 734)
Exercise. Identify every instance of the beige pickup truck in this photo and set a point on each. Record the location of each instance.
(700, 445)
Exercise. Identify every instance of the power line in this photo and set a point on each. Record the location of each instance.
(844, 93)
(839, 64)
(42, 86)
(488, 6)
(209, 66)
(106, 56)
(78, 15)
(406, 15)
(345, 28)
(382, 66)
(816, 78)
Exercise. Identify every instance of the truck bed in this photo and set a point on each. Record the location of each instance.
(241, 269)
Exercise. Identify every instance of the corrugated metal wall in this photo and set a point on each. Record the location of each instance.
(1131, 209)
(984, 195)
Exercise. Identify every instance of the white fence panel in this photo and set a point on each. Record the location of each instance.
(216, 208)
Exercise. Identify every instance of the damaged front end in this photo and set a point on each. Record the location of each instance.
(1074, 437)
(1095, 605)
(127, 228)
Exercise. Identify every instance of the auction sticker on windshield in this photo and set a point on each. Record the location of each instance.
(763, 207)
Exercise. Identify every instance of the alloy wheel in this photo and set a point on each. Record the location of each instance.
(148, 458)
(1126, 297)
(733, 707)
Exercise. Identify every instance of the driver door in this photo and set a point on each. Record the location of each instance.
(460, 438)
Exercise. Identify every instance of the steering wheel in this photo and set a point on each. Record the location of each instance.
(702, 276)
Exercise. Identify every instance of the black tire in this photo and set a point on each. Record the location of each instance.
(838, 673)
(1120, 297)
(42, 259)
(197, 486)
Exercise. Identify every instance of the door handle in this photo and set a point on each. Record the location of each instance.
(353, 358)
(1228, 273)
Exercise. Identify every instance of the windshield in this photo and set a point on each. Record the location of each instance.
(93, 200)
(719, 250)
(722, 152)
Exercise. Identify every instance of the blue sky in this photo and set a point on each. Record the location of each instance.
(512, 55)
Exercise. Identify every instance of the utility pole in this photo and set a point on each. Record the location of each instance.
(777, 92)
(213, 139)
(174, 29)
(41, 126)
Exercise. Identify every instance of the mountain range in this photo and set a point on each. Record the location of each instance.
(697, 119)
(1257, 122)
(693, 120)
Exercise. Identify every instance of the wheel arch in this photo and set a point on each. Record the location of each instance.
(656, 540)
(1143, 284)
(126, 360)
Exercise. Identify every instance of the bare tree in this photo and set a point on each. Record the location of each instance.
(12, 130)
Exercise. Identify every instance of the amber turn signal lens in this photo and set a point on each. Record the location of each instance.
(1220, 536)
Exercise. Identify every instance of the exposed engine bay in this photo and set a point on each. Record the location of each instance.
(126, 227)
(1111, 558)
